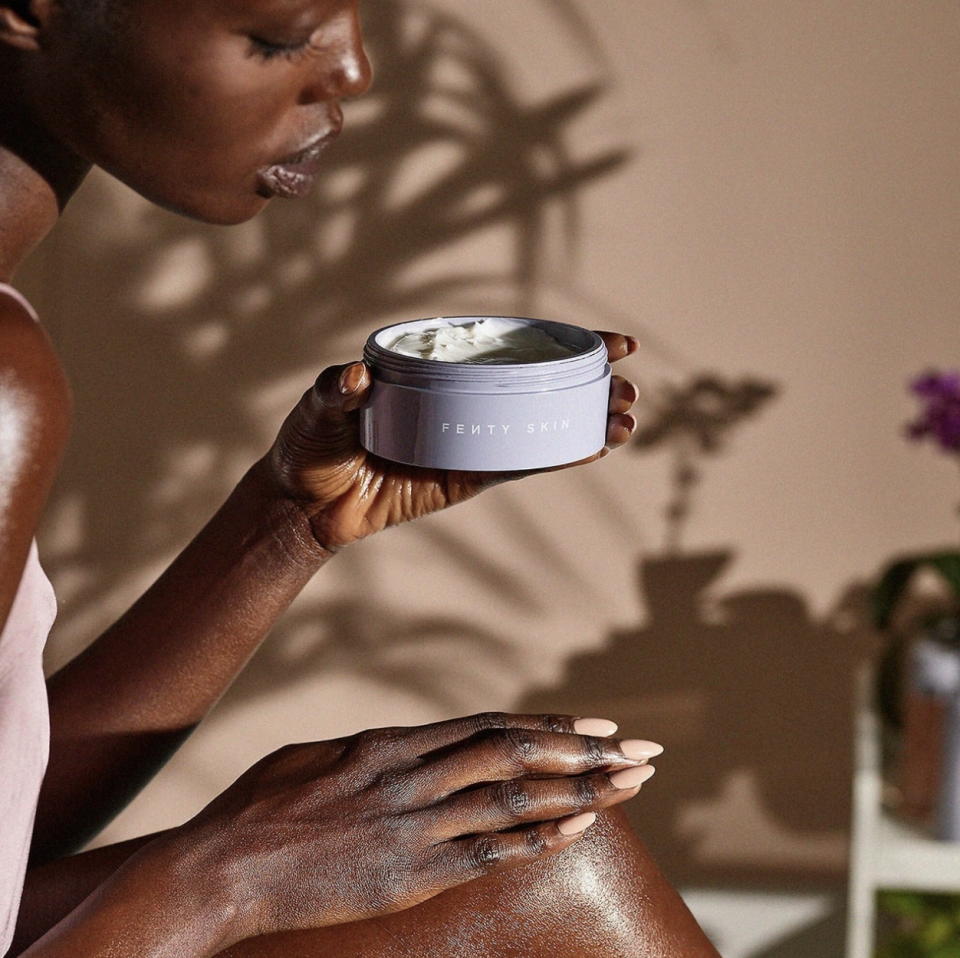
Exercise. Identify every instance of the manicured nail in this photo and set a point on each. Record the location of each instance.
(351, 378)
(600, 728)
(632, 777)
(638, 750)
(577, 823)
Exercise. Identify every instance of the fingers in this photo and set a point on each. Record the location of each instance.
(501, 755)
(417, 746)
(475, 855)
(438, 735)
(618, 345)
(459, 861)
(623, 394)
(620, 427)
(343, 388)
(508, 805)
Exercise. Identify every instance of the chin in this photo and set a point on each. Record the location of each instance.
(226, 208)
(225, 213)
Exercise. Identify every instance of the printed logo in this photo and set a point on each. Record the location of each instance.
(487, 430)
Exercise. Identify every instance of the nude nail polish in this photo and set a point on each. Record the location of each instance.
(351, 378)
(577, 823)
(632, 777)
(639, 749)
(601, 728)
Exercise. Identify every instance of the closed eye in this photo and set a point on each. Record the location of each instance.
(270, 50)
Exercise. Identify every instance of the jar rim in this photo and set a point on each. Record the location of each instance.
(590, 352)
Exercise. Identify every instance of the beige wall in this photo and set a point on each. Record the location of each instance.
(754, 189)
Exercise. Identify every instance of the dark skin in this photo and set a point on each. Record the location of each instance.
(212, 108)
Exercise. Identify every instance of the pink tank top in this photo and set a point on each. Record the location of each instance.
(24, 731)
(24, 725)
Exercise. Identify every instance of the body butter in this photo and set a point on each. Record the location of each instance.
(486, 393)
(491, 340)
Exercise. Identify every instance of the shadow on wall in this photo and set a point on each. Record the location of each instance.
(184, 339)
(748, 690)
(751, 695)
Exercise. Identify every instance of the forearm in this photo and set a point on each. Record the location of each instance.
(126, 902)
(54, 890)
(123, 706)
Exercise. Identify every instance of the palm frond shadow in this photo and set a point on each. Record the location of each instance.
(365, 639)
(182, 340)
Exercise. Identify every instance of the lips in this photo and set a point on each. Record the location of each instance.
(292, 177)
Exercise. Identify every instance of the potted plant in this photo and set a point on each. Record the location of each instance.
(919, 925)
(920, 673)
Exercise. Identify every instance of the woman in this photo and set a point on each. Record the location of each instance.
(212, 108)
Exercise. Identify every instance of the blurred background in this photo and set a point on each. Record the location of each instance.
(767, 196)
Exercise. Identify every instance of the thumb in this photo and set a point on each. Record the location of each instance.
(323, 425)
(342, 389)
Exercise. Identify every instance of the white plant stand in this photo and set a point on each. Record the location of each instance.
(885, 853)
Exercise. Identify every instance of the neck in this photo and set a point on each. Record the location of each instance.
(38, 172)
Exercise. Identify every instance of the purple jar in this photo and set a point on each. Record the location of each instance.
(486, 415)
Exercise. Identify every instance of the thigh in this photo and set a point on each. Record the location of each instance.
(604, 897)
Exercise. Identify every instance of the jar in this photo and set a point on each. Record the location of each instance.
(496, 416)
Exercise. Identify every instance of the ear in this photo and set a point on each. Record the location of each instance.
(21, 22)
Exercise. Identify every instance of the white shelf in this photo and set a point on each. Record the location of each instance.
(885, 853)
(908, 858)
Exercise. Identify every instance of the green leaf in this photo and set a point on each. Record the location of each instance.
(904, 903)
(937, 932)
(897, 576)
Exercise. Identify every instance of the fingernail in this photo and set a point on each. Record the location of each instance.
(633, 344)
(632, 777)
(351, 378)
(577, 823)
(637, 749)
(600, 728)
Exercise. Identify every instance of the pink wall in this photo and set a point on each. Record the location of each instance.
(756, 190)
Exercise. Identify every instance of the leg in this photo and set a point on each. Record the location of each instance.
(602, 898)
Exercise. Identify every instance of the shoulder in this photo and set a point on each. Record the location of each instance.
(35, 413)
(32, 382)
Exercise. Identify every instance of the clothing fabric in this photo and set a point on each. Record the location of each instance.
(24, 731)
(24, 723)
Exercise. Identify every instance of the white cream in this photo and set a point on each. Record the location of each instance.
(490, 340)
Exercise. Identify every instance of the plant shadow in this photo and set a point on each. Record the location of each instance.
(751, 695)
(186, 343)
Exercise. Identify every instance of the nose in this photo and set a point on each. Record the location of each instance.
(343, 70)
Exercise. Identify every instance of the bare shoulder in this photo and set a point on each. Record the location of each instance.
(35, 404)
(35, 413)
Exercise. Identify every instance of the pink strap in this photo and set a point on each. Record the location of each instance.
(20, 298)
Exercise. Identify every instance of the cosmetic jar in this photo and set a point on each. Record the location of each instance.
(486, 414)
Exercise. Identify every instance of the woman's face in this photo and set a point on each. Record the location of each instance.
(207, 107)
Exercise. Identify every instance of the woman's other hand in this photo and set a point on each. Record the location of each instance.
(348, 494)
(332, 832)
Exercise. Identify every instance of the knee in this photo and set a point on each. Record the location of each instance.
(603, 896)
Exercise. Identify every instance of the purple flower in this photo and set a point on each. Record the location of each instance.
(940, 416)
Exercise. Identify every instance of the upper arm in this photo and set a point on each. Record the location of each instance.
(34, 424)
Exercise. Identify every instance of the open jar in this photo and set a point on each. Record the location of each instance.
(491, 411)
